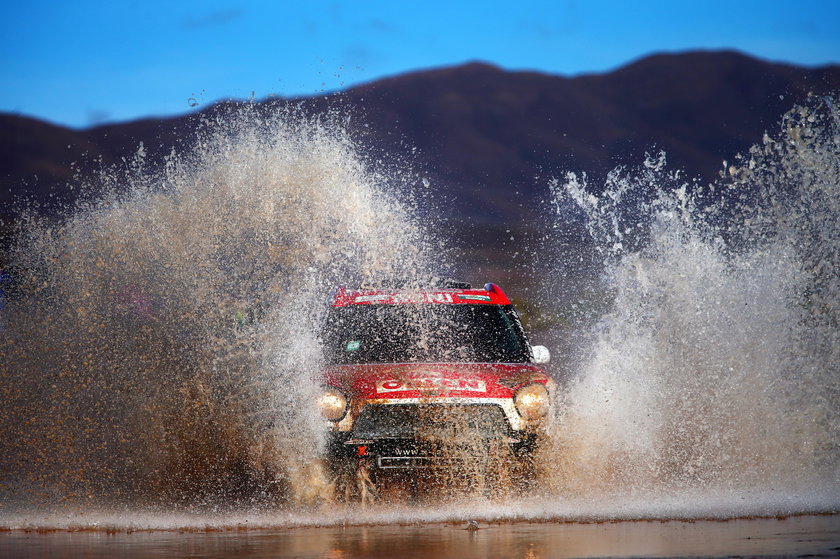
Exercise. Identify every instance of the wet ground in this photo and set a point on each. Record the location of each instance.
(801, 536)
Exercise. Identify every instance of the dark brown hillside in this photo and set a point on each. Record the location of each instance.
(487, 133)
(487, 139)
(705, 107)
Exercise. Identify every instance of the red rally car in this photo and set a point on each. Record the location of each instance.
(423, 380)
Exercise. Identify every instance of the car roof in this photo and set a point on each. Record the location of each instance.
(491, 294)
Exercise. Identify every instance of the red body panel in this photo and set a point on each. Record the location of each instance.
(345, 297)
(430, 380)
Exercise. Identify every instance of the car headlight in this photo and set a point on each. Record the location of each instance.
(531, 401)
(333, 404)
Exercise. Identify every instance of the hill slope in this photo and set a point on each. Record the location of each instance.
(488, 139)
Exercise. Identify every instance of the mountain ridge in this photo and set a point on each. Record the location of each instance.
(479, 129)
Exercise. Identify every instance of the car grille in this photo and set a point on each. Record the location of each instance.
(441, 423)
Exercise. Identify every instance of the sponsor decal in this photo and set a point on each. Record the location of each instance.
(372, 298)
(410, 298)
(473, 297)
(405, 452)
(430, 383)
(439, 297)
(418, 297)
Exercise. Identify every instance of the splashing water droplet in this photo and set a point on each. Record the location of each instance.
(162, 346)
(714, 371)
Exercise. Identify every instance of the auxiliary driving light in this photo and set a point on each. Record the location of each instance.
(333, 404)
(531, 401)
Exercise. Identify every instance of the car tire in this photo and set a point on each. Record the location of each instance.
(354, 482)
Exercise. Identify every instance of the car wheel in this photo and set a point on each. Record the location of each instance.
(354, 482)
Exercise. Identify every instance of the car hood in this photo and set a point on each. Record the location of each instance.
(433, 380)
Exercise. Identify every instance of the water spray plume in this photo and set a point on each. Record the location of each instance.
(159, 350)
(716, 368)
(161, 345)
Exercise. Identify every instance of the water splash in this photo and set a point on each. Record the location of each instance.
(717, 366)
(160, 348)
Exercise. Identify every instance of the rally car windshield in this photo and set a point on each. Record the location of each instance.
(424, 333)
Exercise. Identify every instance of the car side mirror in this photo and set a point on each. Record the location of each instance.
(541, 354)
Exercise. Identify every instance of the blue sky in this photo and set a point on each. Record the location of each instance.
(85, 62)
